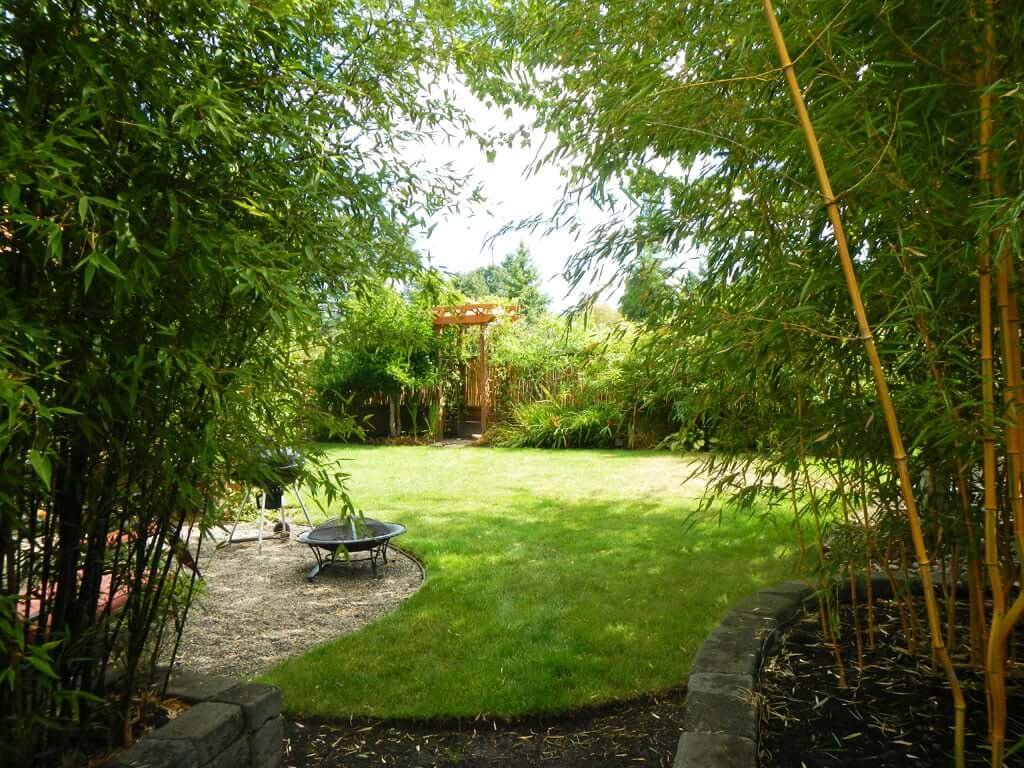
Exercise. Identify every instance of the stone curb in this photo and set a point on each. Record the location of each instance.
(230, 725)
(721, 720)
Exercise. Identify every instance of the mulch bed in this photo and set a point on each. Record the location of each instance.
(641, 732)
(897, 712)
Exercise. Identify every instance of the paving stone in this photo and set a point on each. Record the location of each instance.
(235, 756)
(267, 744)
(780, 607)
(259, 703)
(714, 750)
(796, 588)
(211, 728)
(728, 650)
(718, 703)
(150, 753)
(757, 627)
(714, 682)
(194, 687)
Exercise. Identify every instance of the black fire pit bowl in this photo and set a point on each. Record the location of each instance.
(348, 535)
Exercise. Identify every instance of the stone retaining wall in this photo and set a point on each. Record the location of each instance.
(721, 720)
(230, 725)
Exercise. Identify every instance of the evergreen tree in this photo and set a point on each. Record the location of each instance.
(516, 278)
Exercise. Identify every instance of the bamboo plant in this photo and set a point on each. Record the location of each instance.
(915, 420)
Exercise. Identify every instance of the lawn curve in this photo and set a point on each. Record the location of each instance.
(555, 580)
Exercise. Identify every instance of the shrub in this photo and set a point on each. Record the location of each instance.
(557, 423)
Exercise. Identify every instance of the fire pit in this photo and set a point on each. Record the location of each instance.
(348, 535)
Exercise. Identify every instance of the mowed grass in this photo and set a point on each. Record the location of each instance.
(555, 579)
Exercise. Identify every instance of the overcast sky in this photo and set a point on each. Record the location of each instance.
(459, 241)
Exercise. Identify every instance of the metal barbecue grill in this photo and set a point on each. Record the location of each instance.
(279, 470)
(348, 535)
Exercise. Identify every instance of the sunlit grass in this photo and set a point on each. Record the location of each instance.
(555, 580)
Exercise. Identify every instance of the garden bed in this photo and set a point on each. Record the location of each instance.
(896, 712)
(641, 732)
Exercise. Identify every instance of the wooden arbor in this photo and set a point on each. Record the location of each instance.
(462, 315)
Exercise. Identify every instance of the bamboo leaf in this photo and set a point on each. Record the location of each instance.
(41, 464)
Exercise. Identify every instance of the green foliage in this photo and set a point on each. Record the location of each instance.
(681, 126)
(516, 278)
(679, 112)
(560, 423)
(645, 290)
(539, 345)
(383, 345)
(562, 384)
(187, 189)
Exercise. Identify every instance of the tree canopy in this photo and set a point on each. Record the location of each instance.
(645, 289)
(515, 278)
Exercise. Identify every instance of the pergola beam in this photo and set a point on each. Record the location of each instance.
(480, 319)
(473, 314)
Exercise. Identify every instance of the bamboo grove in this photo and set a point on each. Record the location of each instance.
(187, 190)
(850, 176)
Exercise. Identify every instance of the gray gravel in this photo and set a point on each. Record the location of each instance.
(257, 609)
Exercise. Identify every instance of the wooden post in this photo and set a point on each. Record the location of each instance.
(439, 422)
(485, 380)
(462, 384)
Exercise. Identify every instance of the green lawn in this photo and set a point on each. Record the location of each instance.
(555, 579)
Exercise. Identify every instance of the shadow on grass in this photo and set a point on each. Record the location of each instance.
(542, 606)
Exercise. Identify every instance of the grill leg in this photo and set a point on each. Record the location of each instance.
(259, 533)
(238, 515)
(321, 563)
(298, 496)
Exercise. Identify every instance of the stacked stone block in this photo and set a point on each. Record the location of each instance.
(229, 725)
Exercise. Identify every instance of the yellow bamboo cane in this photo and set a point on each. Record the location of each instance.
(995, 687)
(881, 385)
(1003, 621)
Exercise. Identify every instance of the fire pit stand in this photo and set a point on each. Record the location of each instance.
(347, 536)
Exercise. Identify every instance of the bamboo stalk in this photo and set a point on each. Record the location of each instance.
(908, 594)
(881, 385)
(995, 677)
(839, 480)
(978, 630)
(899, 597)
(801, 563)
(869, 545)
(1019, 370)
(824, 607)
(949, 582)
(1009, 326)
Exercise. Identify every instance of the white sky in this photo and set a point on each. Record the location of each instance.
(459, 240)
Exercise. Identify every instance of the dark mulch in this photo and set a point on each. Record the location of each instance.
(642, 732)
(897, 712)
